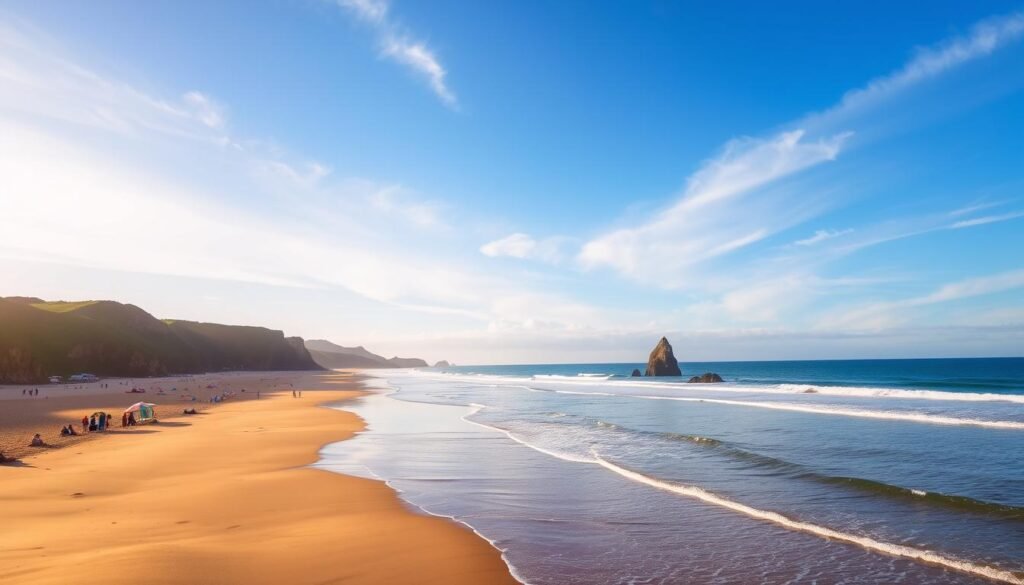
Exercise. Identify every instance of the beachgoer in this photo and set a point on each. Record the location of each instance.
(124, 419)
(64, 432)
(92, 423)
(85, 424)
(37, 441)
(131, 419)
(102, 423)
(71, 431)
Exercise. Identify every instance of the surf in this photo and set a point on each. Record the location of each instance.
(890, 549)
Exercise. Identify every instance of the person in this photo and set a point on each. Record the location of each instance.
(64, 431)
(71, 431)
(131, 419)
(293, 393)
(92, 423)
(124, 419)
(102, 422)
(37, 441)
(85, 424)
(22, 391)
(6, 459)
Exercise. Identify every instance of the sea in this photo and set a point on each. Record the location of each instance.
(854, 471)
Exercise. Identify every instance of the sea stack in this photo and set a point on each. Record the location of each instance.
(662, 361)
(636, 373)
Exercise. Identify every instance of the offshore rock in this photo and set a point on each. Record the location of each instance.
(662, 361)
(708, 378)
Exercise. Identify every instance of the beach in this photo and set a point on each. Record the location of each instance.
(224, 496)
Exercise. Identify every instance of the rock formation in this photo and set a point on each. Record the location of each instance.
(442, 364)
(636, 373)
(708, 378)
(662, 361)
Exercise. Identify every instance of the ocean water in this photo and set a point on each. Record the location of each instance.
(873, 471)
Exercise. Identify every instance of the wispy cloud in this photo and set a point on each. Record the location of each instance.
(986, 220)
(886, 314)
(205, 109)
(984, 38)
(397, 202)
(753, 188)
(524, 246)
(715, 216)
(163, 187)
(822, 235)
(400, 47)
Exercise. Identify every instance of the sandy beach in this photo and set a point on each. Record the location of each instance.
(225, 496)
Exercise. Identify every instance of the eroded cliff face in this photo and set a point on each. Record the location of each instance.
(39, 339)
(662, 361)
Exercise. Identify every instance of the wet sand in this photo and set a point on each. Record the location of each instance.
(223, 497)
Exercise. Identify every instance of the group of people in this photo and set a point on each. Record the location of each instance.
(296, 393)
(99, 421)
(30, 391)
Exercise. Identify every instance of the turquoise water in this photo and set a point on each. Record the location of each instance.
(902, 471)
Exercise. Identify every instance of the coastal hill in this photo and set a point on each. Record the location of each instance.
(39, 339)
(332, 356)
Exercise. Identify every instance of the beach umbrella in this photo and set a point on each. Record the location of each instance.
(145, 410)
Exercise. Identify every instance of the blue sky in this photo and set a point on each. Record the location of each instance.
(526, 181)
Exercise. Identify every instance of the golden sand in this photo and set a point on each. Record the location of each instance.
(224, 497)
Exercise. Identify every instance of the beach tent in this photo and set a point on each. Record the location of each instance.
(143, 411)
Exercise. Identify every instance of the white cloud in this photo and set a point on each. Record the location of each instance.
(748, 163)
(421, 59)
(523, 246)
(887, 314)
(370, 10)
(820, 236)
(986, 220)
(709, 220)
(972, 287)
(740, 197)
(394, 201)
(984, 38)
(205, 109)
(159, 194)
(398, 46)
(516, 245)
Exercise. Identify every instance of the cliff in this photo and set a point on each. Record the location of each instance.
(106, 338)
(333, 356)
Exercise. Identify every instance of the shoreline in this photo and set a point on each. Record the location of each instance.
(227, 496)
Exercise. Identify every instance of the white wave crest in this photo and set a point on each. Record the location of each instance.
(918, 417)
(821, 531)
(823, 390)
